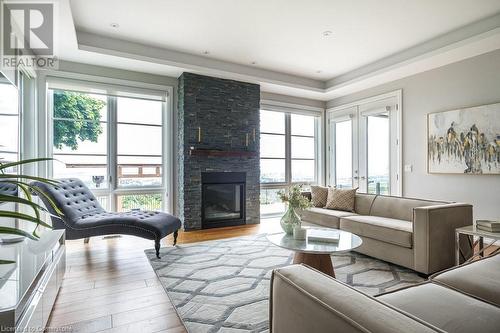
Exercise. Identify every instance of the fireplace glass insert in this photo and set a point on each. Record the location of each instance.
(223, 199)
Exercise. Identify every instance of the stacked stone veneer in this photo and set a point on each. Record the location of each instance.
(226, 111)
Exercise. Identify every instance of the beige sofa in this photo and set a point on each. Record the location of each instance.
(464, 299)
(414, 233)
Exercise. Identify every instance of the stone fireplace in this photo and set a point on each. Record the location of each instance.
(218, 152)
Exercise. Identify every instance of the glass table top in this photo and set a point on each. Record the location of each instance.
(473, 231)
(347, 242)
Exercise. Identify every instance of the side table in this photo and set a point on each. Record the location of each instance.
(471, 231)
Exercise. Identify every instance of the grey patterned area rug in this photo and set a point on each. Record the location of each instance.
(223, 285)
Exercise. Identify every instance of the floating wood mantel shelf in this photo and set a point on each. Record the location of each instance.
(222, 153)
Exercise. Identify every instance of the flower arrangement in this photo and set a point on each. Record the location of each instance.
(296, 202)
(294, 198)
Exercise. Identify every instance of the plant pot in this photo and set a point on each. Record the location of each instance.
(290, 220)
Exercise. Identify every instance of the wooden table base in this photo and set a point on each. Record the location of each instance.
(321, 262)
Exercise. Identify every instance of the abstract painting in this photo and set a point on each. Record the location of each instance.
(464, 141)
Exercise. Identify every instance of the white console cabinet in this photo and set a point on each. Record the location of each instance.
(28, 288)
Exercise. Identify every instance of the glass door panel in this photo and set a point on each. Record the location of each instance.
(343, 154)
(378, 154)
(364, 147)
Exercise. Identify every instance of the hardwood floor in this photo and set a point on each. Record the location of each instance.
(109, 285)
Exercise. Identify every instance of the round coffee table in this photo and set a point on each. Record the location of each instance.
(313, 253)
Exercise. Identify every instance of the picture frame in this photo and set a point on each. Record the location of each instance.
(464, 141)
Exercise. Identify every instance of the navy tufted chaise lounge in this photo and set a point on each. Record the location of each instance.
(84, 217)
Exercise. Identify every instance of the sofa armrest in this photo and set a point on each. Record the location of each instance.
(305, 300)
(434, 235)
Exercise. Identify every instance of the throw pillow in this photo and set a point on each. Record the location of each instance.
(319, 194)
(341, 199)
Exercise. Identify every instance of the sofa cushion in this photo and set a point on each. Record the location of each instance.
(398, 208)
(319, 194)
(445, 308)
(340, 199)
(384, 229)
(480, 279)
(305, 300)
(363, 203)
(325, 217)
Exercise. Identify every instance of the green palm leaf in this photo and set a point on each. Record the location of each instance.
(40, 193)
(25, 217)
(28, 190)
(14, 231)
(11, 198)
(35, 189)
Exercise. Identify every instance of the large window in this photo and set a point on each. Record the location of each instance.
(9, 122)
(115, 144)
(303, 148)
(288, 154)
(9, 137)
(272, 147)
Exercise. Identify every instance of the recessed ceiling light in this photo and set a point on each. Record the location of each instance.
(327, 33)
(206, 52)
(114, 25)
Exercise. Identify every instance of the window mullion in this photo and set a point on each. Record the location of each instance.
(317, 154)
(288, 149)
(112, 150)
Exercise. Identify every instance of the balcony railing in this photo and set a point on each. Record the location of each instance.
(123, 169)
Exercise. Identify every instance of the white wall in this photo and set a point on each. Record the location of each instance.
(471, 82)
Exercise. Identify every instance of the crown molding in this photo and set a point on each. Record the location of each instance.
(456, 37)
(194, 63)
(471, 40)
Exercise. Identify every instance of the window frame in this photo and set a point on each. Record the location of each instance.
(18, 115)
(288, 150)
(113, 191)
(285, 158)
(288, 110)
(356, 110)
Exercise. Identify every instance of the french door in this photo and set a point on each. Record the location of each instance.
(364, 141)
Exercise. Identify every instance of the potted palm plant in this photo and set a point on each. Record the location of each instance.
(21, 183)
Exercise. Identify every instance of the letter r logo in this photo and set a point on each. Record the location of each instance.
(28, 27)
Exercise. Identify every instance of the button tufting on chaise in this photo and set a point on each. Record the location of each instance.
(84, 217)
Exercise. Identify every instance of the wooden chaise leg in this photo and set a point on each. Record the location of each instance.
(176, 233)
(157, 248)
